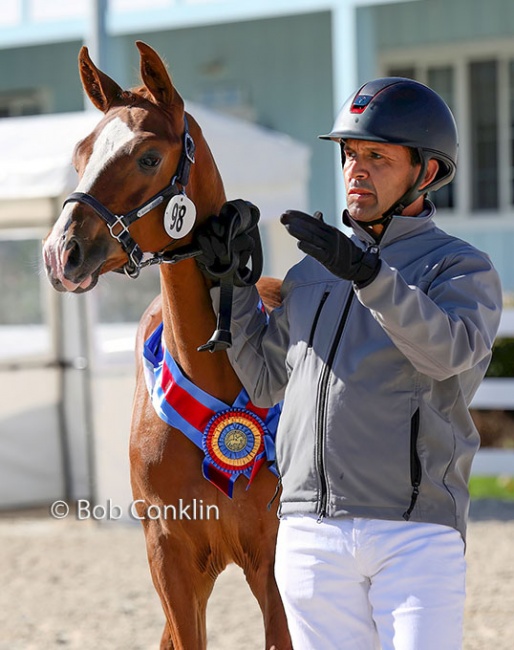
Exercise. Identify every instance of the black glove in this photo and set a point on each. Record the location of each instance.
(332, 248)
(220, 254)
(229, 242)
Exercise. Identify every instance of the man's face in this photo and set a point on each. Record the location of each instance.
(376, 175)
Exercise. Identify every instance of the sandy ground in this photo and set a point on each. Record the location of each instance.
(80, 585)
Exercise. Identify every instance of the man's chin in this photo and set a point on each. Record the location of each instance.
(364, 217)
(363, 208)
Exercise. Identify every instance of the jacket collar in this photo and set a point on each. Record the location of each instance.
(398, 228)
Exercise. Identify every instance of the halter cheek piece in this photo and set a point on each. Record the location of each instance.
(119, 225)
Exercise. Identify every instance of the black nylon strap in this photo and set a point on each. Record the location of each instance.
(117, 227)
(187, 157)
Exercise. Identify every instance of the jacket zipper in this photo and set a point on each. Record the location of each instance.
(316, 318)
(322, 400)
(275, 494)
(415, 464)
(277, 488)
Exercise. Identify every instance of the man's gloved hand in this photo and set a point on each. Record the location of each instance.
(219, 253)
(229, 241)
(332, 248)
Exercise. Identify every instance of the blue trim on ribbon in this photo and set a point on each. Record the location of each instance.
(155, 359)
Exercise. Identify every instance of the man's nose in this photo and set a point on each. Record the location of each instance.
(356, 168)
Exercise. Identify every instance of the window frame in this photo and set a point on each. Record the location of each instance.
(459, 56)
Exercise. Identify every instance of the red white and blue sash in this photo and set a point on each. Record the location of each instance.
(235, 439)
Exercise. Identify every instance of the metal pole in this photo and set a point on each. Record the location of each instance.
(344, 62)
(97, 42)
(97, 39)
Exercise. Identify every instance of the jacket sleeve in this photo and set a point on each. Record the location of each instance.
(259, 346)
(450, 326)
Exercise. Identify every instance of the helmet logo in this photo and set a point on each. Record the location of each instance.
(360, 103)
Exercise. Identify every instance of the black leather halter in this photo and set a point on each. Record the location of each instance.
(240, 216)
(119, 224)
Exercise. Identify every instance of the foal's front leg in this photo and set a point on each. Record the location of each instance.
(183, 586)
(257, 533)
(261, 580)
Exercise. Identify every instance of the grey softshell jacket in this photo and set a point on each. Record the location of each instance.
(376, 381)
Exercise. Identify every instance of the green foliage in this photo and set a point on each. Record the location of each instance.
(492, 487)
(502, 362)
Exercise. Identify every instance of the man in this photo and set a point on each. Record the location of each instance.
(377, 351)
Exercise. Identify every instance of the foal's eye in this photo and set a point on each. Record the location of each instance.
(149, 161)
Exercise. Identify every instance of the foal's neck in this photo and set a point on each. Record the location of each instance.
(188, 316)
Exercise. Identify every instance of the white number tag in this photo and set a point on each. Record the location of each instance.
(179, 216)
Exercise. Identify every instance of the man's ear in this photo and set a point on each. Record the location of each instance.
(431, 173)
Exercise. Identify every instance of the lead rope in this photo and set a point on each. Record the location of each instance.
(222, 338)
(238, 217)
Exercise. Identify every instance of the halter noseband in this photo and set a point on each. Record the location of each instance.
(119, 225)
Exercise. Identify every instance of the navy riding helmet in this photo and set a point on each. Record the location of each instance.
(402, 111)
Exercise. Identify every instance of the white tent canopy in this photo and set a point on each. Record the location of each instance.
(268, 168)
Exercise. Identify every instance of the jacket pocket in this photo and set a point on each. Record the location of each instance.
(415, 464)
(316, 318)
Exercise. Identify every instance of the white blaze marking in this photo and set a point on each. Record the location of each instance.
(113, 137)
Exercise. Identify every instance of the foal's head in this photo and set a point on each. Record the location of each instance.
(136, 163)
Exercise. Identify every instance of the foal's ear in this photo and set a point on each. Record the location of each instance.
(155, 76)
(99, 87)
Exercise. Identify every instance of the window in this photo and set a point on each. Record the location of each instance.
(28, 102)
(483, 102)
(511, 129)
(480, 93)
(441, 80)
(23, 320)
(406, 72)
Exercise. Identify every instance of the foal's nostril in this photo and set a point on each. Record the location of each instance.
(75, 256)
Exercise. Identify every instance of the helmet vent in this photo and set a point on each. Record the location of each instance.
(360, 103)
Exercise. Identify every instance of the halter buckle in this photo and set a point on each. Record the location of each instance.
(189, 147)
(119, 221)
